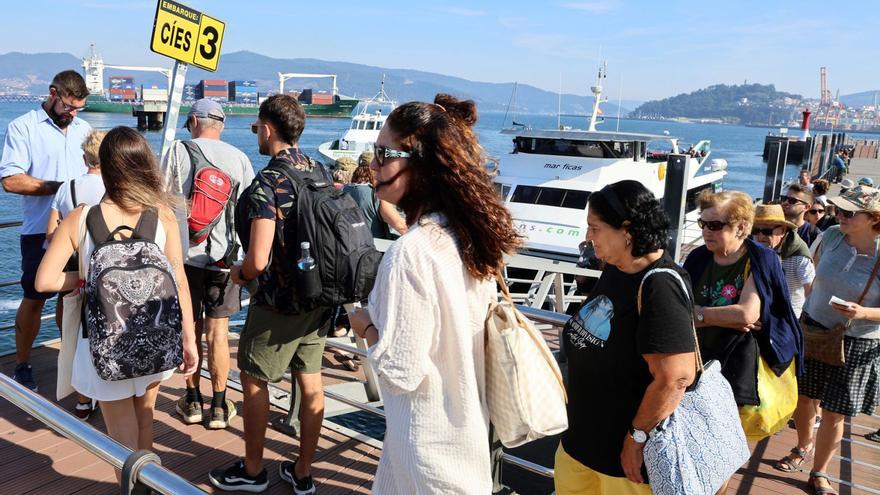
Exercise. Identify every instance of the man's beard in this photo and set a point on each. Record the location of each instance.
(61, 120)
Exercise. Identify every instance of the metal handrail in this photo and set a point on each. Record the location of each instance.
(107, 449)
(10, 223)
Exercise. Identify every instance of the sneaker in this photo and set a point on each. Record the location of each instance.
(219, 418)
(818, 422)
(24, 374)
(84, 409)
(301, 486)
(236, 478)
(191, 412)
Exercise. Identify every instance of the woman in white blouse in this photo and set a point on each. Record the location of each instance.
(424, 323)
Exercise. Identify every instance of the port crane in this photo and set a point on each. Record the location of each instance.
(93, 67)
(295, 75)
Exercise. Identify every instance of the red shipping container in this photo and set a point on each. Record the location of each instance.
(214, 82)
(322, 99)
(214, 93)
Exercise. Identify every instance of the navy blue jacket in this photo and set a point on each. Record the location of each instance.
(780, 339)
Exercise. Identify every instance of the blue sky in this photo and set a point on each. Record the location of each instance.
(654, 49)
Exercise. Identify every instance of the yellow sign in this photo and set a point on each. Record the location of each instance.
(187, 35)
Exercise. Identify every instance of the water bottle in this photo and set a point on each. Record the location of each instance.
(306, 263)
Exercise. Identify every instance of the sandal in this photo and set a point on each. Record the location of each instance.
(819, 490)
(874, 437)
(788, 464)
(84, 409)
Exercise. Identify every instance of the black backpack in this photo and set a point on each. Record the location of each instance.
(131, 314)
(340, 241)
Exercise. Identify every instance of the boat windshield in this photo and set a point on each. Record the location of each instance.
(577, 148)
(550, 196)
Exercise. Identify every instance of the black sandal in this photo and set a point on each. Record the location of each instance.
(788, 464)
(874, 437)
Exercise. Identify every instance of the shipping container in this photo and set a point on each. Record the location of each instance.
(320, 99)
(212, 82)
(244, 84)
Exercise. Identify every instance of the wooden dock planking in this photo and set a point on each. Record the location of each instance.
(45, 462)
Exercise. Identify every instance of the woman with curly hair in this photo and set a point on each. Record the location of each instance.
(626, 371)
(424, 323)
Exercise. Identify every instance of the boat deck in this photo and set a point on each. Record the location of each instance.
(36, 460)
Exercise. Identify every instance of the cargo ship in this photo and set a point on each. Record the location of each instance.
(342, 107)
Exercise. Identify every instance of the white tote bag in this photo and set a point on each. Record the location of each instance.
(70, 324)
(524, 388)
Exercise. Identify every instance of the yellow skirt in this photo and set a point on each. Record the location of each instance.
(573, 478)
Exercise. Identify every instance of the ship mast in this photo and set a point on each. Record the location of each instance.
(597, 93)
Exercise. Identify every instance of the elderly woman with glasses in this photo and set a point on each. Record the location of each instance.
(774, 231)
(846, 268)
(742, 309)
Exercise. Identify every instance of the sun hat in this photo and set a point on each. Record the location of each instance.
(772, 215)
(866, 181)
(860, 198)
(847, 184)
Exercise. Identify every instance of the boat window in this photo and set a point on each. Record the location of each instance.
(503, 190)
(371, 126)
(550, 196)
(379, 127)
(576, 148)
(354, 124)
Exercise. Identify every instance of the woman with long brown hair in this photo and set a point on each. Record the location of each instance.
(426, 314)
(134, 189)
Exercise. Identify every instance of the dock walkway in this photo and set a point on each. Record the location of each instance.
(36, 460)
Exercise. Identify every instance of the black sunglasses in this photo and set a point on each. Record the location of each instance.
(846, 214)
(815, 211)
(766, 231)
(713, 225)
(382, 152)
(792, 201)
(255, 128)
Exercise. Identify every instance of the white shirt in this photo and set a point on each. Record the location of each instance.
(430, 314)
(89, 190)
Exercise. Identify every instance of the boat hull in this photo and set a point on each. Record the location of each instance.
(339, 109)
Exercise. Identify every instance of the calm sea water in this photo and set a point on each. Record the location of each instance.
(740, 146)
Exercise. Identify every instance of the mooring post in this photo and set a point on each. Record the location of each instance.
(775, 170)
(674, 196)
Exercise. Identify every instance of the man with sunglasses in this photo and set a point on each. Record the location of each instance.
(795, 203)
(214, 296)
(41, 151)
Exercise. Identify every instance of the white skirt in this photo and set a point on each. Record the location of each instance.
(86, 381)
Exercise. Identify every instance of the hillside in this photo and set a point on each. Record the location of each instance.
(865, 98)
(32, 72)
(739, 104)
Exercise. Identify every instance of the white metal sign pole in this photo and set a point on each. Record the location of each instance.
(175, 96)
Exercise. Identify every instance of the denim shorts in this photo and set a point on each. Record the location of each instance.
(32, 252)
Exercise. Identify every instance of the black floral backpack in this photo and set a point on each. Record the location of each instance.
(132, 313)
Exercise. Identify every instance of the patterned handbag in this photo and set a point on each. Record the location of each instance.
(699, 447)
(524, 389)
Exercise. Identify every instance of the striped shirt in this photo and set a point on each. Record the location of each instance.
(799, 271)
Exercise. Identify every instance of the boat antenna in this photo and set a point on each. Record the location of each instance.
(559, 104)
(619, 96)
(511, 100)
(597, 92)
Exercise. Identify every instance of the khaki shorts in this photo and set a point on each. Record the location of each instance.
(272, 342)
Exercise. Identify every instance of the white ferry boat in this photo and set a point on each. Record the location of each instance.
(363, 132)
(547, 179)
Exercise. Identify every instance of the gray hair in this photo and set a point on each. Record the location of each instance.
(208, 123)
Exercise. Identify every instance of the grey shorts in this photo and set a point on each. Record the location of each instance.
(212, 293)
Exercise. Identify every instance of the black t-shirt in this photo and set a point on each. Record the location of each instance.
(604, 342)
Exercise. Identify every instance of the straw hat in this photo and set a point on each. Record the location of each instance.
(772, 215)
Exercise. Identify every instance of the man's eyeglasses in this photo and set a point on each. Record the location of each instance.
(815, 211)
(382, 152)
(766, 231)
(67, 108)
(713, 225)
(792, 201)
(255, 128)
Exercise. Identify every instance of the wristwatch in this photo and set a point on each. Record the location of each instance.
(699, 315)
(639, 436)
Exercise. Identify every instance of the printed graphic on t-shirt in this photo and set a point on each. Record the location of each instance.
(723, 292)
(592, 324)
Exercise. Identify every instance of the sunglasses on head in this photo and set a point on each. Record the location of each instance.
(382, 152)
(764, 231)
(792, 201)
(713, 225)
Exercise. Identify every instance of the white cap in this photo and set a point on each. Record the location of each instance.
(304, 244)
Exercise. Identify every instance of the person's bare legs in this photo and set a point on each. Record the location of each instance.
(827, 442)
(256, 415)
(217, 336)
(804, 420)
(192, 381)
(311, 417)
(144, 406)
(27, 326)
(122, 423)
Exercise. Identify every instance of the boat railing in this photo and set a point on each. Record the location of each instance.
(138, 468)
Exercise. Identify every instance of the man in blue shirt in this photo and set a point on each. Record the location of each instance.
(839, 165)
(41, 151)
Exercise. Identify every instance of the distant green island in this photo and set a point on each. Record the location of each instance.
(729, 104)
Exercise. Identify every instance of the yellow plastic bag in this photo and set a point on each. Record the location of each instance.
(778, 396)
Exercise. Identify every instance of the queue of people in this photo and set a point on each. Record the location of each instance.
(742, 302)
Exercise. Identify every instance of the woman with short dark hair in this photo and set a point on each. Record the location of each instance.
(626, 371)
